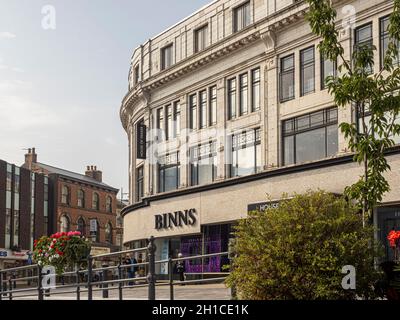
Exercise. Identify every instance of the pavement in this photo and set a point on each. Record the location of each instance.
(186, 292)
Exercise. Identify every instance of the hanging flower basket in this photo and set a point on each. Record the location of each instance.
(62, 250)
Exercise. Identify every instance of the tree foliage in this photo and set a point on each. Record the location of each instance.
(372, 94)
(298, 250)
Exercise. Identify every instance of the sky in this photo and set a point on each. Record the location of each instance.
(64, 72)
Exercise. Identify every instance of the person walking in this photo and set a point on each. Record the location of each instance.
(129, 270)
(180, 268)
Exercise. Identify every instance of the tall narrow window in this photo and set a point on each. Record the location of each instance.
(108, 233)
(96, 201)
(32, 220)
(16, 215)
(81, 198)
(241, 17)
(137, 75)
(109, 207)
(81, 226)
(200, 38)
(255, 90)
(246, 153)
(139, 183)
(166, 57)
(177, 119)
(328, 69)
(310, 137)
(232, 98)
(363, 40)
(287, 78)
(65, 224)
(244, 94)
(170, 124)
(213, 106)
(307, 70)
(203, 164)
(193, 111)
(385, 39)
(168, 172)
(46, 206)
(203, 109)
(8, 206)
(160, 124)
(65, 195)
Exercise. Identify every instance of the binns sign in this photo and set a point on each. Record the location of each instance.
(176, 219)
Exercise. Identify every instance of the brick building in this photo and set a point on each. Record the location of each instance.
(24, 212)
(81, 202)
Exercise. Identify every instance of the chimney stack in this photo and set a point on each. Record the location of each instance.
(30, 158)
(92, 172)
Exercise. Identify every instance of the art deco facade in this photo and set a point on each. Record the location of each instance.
(237, 92)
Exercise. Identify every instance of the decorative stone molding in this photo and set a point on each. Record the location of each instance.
(269, 40)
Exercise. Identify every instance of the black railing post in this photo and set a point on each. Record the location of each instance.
(105, 278)
(10, 286)
(171, 279)
(1, 285)
(39, 284)
(78, 287)
(120, 284)
(151, 277)
(90, 277)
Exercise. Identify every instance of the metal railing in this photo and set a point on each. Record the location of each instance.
(84, 281)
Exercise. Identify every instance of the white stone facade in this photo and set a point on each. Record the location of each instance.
(276, 30)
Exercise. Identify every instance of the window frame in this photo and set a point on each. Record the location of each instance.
(167, 64)
(322, 73)
(244, 24)
(255, 84)
(285, 72)
(232, 93)
(164, 167)
(204, 31)
(295, 131)
(303, 66)
(371, 40)
(139, 181)
(211, 155)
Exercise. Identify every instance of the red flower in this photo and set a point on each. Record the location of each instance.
(394, 238)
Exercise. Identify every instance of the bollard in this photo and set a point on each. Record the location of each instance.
(78, 288)
(151, 277)
(171, 279)
(119, 283)
(39, 286)
(105, 285)
(90, 277)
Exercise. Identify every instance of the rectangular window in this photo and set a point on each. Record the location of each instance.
(139, 183)
(193, 111)
(46, 205)
(287, 78)
(385, 39)
(328, 69)
(232, 98)
(203, 164)
(363, 38)
(137, 75)
(9, 178)
(310, 137)
(160, 124)
(8, 228)
(244, 96)
(200, 38)
(241, 17)
(307, 70)
(203, 109)
(213, 106)
(255, 90)
(166, 57)
(177, 119)
(246, 153)
(168, 172)
(170, 124)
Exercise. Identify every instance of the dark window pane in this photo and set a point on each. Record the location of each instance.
(307, 71)
(332, 140)
(310, 145)
(289, 150)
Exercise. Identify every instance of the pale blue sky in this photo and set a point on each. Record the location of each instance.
(60, 90)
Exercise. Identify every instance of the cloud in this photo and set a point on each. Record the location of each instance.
(7, 35)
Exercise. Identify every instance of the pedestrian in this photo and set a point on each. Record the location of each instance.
(130, 269)
(180, 268)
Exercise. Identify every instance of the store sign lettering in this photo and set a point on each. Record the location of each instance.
(176, 219)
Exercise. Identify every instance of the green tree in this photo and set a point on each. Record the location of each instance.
(297, 251)
(375, 94)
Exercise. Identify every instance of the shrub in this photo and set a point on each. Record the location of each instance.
(298, 250)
